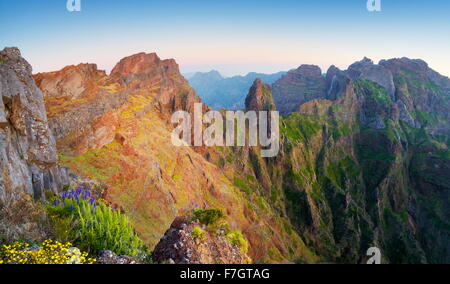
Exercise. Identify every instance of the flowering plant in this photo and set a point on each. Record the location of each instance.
(49, 252)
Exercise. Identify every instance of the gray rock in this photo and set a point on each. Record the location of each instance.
(28, 160)
(366, 69)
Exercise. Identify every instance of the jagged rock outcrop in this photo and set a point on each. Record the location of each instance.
(28, 160)
(260, 97)
(298, 87)
(367, 70)
(422, 94)
(83, 103)
(337, 82)
(181, 244)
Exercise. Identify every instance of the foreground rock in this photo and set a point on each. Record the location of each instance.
(108, 257)
(181, 245)
(28, 160)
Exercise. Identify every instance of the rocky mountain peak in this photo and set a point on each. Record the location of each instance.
(367, 70)
(143, 64)
(260, 97)
(72, 81)
(299, 86)
(140, 63)
(309, 71)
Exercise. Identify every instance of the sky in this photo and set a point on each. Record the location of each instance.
(232, 36)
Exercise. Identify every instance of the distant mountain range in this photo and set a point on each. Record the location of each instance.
(220, 92)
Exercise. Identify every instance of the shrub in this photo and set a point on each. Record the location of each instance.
(102, 228)
(94, 227)
(198, 234)
(237, 239)
(207, 216)
(50, 252)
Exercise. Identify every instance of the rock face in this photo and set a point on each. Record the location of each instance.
(298, 87)
(366, 166)
(28, 160)
(260, 97)
(179, 245)
(367, 70)
(83, 102)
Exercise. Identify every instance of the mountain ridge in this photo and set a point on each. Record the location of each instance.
(364, 155)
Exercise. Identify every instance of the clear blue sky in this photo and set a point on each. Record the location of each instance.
(233, 36)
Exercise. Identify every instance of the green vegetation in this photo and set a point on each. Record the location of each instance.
(214, 220)
(424, 117)
(198, 234)
(207, 216)
(339, 172)
(374, 91)
(93, 227)
(237, 239)
(297, 127)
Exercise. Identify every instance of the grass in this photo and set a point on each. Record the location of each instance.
(243, 185)
(207, 216)
(198, 234)
(297, 127)
(237, 239)
(375, 91)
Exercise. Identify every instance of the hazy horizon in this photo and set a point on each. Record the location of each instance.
(233, 37)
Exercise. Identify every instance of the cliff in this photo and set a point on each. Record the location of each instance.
(28, 160)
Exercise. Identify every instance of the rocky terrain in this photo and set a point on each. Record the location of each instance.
(260, 97)
(364, 162)
(297, 87)
(364, 159)
(117, 130)
(181, 244)
(28, 154)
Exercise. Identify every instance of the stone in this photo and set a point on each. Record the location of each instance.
(28, 160)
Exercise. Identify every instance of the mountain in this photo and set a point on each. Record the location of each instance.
(117, 130)
(28, 154)
(364, 161)
(260, 97)
(229, 93)
(297, 87)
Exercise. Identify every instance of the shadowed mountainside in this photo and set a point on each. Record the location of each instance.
(364, 161)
